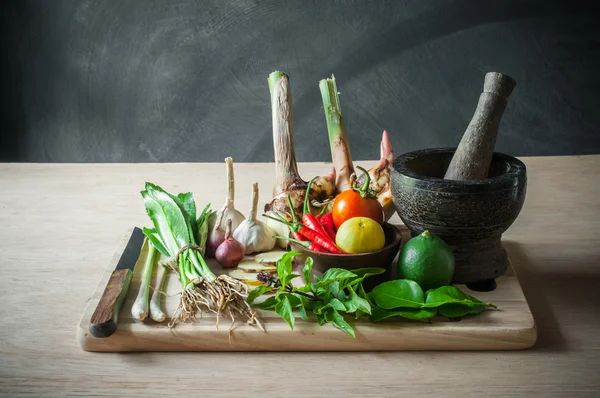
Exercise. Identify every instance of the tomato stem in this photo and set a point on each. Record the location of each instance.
(364, 191)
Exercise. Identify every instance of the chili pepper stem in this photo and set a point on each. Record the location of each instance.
(306, 209)
(303, 243)
(294, 216)
(281, 220)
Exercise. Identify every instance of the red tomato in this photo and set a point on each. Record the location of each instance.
(350, 204)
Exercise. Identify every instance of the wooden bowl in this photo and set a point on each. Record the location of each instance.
(383, 258)
(468, 215)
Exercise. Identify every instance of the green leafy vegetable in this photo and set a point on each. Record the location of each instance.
(268, 304)
(339, 322)
(307, 269)
(178, 234)
(154, 237)
(284, 309)
(302, 312)
(364, 273)
(354, 303)
(202, 227)
(254, 294)
(339, 292)
(450, 294)
(335, 274)
(363, 294)
(400, 298)
(418, 314)
(454, 303)
(333, 303)
(455, 310)
(398, 293)
(329, 298)
(189, 207)
(169, 222)
(284, 267)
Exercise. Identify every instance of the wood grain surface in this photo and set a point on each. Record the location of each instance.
(62, 222)
(511, 327)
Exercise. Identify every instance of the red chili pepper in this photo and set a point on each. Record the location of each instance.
(327, 223)
(315, 237)
(310, 221)
(298, 236)
(316, 248)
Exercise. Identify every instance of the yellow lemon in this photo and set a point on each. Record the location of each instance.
(360, 235)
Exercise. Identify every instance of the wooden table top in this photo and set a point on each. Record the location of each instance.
(60, 223)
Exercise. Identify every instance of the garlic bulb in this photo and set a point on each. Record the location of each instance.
(255, 235)
(279, 229)
(228, 210)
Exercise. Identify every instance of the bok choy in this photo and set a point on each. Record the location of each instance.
(179, 235)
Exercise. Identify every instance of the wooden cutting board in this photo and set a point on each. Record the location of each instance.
(510, 327)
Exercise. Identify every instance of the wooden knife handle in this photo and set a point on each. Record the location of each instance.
(104, 319)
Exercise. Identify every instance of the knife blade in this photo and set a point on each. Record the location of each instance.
(103, 322)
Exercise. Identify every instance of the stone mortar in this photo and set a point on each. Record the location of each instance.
(470, 216)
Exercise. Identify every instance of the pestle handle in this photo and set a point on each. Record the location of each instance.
(473, 157)
(498, 84)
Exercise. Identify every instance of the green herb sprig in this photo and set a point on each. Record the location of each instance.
(337, 293)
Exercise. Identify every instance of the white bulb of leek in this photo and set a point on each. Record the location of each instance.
(255, 235)
(139, 310)
(156, 312)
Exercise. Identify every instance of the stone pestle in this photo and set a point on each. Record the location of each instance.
(473, 157)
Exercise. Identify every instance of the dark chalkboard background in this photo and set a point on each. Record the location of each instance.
(128, 81)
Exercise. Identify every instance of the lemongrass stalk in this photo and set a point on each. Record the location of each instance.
(286, 169)
(156, 312)
(338, 141)
(139, 310)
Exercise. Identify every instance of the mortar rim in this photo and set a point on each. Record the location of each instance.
(516, 168)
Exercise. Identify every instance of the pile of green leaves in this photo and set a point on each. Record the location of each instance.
(339, 292)
(336, 293)
(406, 299)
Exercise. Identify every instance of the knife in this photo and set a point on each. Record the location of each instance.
(104, 319)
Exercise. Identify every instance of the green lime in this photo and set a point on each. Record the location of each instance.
(427, 260)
